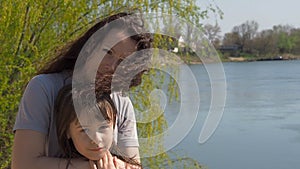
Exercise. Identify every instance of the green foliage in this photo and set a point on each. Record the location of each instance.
(285, 43)
(32, 31)
(282, 39)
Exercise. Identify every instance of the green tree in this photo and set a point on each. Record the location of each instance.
(285, 42)
(295, 33)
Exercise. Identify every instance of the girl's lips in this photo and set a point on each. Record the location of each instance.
(96, 149)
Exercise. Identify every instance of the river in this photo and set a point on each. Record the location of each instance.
(260, 127)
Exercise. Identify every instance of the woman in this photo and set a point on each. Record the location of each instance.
(35, 141)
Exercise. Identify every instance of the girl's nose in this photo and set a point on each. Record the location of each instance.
(96, 138)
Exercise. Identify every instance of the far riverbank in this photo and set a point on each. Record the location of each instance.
(196, 60)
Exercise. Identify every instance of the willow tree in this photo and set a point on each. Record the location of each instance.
(32, 31)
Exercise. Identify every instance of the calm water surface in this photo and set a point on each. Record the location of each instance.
(260, 127)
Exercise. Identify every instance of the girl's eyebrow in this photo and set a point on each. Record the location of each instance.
(99, 123)
(78, 125)
(83, 126)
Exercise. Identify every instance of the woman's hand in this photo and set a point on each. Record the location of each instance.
(119, 164)
(110, 162)
(106, 162)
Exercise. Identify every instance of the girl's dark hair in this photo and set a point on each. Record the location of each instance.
(66, 57)
(64, 114)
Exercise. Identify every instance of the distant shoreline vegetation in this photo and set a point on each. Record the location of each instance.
(244, 43)
(194, 59)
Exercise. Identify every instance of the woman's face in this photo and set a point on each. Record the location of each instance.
(91, 140)
(113, 55)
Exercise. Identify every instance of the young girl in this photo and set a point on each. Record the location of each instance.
(87, 134)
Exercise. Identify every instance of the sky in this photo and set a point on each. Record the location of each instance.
(266, 13)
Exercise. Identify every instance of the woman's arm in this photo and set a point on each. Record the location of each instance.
(29, 152)
(131, 152)
(127, 138)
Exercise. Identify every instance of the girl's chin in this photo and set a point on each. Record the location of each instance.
(96, 158)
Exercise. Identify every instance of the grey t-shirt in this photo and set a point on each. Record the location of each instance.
(36, 111)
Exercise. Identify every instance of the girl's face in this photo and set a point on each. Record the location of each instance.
(91, 140)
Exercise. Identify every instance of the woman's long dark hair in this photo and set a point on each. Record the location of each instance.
(65, 113)
(66, 57)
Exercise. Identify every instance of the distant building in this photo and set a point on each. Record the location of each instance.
(181, 43)
(232, 50)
